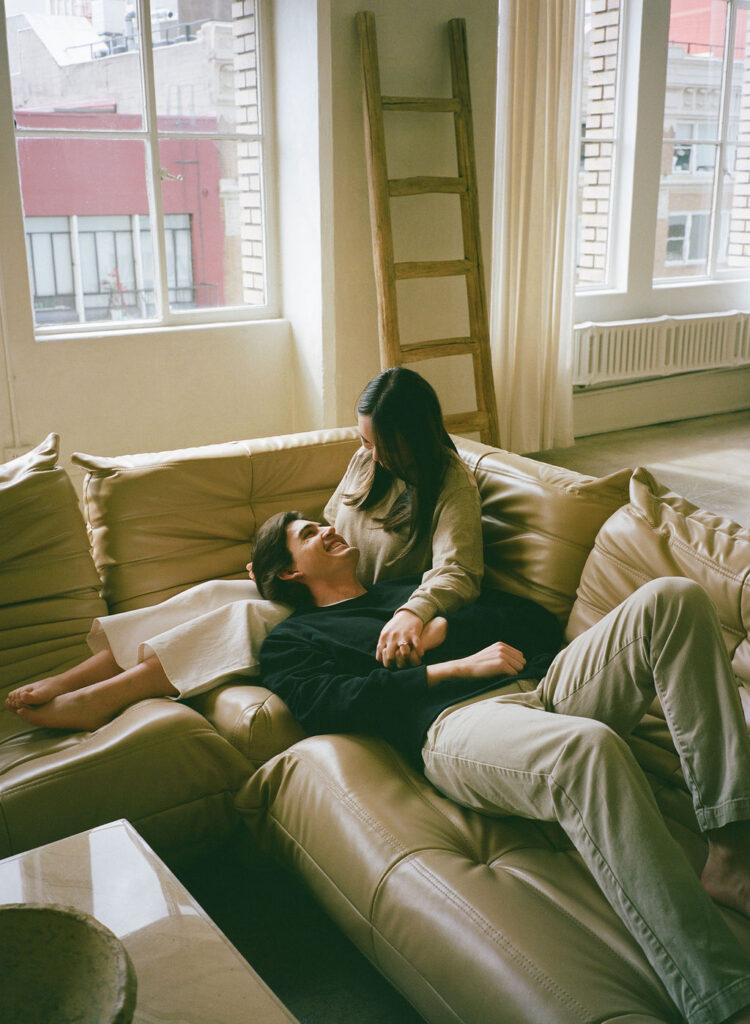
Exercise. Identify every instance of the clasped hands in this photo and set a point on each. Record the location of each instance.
(400, 644)
(404, 639)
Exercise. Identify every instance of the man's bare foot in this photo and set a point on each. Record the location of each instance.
(434, 633)
(79, 710)
(726, 874)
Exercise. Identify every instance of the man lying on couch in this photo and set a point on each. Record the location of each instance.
(551, 751)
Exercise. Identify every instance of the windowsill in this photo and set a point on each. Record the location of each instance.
(193, 331)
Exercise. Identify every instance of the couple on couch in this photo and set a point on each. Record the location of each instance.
(426, 662)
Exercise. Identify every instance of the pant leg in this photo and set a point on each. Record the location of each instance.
(664, 639)
(507, 755)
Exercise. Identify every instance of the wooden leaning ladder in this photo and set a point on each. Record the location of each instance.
(387, 272)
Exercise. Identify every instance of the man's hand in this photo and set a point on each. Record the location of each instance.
(498, 659)
(400, 643)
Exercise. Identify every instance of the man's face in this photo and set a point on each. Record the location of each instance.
(318, 552)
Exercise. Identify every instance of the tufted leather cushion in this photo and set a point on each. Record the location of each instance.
(539, 522)
(164, 521)
(660, 533)
(49, 588)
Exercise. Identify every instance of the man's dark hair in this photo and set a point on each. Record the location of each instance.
(271, 556)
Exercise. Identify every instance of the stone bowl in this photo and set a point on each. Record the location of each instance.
(58, 964)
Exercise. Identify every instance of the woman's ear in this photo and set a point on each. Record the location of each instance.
(289, 574)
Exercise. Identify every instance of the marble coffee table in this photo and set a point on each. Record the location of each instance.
(188, 971)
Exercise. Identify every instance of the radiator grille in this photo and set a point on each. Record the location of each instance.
(658, 347)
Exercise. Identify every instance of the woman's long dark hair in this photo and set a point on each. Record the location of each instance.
(407, 424)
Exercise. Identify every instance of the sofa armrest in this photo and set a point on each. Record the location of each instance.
(257, 722)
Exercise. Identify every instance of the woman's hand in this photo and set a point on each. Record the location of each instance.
(400, 644)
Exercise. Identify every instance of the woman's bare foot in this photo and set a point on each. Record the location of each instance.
(31, 694)
(80, 710)
(434, 633)
(98, 667)
(90, 707)
(726, 874)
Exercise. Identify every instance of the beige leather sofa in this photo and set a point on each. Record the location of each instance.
(473, 919)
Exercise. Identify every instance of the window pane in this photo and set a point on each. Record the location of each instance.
(99, 184)
(215, 187)
(205, 68)
(44, 267)
(599, 129)
(89, 264)
(694, 64)
(85, 70)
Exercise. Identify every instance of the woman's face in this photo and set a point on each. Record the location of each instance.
(367, 437)
(369, 441)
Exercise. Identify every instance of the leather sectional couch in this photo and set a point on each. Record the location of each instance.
(473, 919)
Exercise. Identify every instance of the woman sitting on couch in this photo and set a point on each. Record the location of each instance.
(407, 501)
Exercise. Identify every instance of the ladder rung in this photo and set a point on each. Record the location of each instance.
(437, 348)
(449, 105)
(423, 185)
(463, 422)
(432, 268)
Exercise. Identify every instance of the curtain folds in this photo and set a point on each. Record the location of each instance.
(533, 251)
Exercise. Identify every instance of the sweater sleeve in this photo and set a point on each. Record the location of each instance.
(325, 698)
(455, 575)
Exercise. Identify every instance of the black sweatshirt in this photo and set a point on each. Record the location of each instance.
(321, 662)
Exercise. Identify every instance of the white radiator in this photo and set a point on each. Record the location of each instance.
(638, 349)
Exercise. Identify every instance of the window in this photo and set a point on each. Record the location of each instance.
(141, 153)
(664, 179)
(708, 76)
(687, 238)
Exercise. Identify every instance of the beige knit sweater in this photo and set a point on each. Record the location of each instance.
(450, 558)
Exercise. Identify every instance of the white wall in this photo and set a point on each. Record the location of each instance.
(414, 61)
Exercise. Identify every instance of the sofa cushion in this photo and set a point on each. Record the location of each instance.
(49, 588)
(164, 521)
(539, 522)
(659, 533)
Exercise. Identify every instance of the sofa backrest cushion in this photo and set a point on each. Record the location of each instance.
(164, 521)
(49, 588)
(539, 522)
(659, 533)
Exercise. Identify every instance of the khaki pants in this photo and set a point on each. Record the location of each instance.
(558, 754)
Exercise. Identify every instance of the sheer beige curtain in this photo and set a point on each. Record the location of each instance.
(533, 251)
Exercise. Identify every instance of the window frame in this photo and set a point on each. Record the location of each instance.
(149, 135)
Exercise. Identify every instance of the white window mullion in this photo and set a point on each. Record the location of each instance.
(714, 237)
(153, 165)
